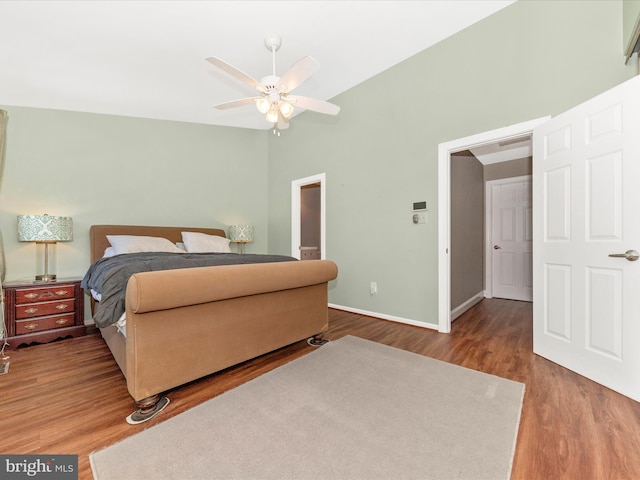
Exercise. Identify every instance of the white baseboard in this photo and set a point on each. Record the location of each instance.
(415, 323)
(463, 307)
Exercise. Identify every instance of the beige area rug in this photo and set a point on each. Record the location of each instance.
(352, 409)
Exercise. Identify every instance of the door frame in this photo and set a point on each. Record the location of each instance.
(488, 228)
(444, 203)
(296, 186)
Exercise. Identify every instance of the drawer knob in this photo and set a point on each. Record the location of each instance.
(31, 326)
(31, 295)
(61, 292)
(62, 321)
(31, 310)
(62, 306)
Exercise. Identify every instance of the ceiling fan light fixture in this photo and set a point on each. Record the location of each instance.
(272, 115)
(286, 109)
(263, 104)
(274, 101)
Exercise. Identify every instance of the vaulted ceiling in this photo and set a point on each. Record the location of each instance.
(147, 58)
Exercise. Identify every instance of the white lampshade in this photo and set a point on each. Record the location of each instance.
(286, 109)
(272, 116)
(44, 228)
(263, 105)
(241, 233)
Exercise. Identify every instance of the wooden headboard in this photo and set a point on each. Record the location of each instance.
(98, 234)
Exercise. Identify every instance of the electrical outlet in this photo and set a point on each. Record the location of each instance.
(373, 289)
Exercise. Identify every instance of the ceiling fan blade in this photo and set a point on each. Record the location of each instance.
(234, 72)
(237, 103)
(313, 104)
(299, 73)
(283, 123)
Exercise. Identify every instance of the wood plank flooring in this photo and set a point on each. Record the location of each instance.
(70, 397)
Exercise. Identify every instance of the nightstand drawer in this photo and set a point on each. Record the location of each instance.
(43, 323)
(43, 294)
(31, 310)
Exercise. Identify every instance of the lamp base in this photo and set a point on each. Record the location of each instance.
(46, 278)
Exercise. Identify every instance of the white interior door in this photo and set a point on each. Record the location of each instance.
(511, 239)
(586, 196)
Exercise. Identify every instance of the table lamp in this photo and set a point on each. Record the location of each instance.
(241, 234)
(45, 230)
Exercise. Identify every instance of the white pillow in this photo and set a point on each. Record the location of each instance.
(109, 252)
(196, 242)
(134, 244)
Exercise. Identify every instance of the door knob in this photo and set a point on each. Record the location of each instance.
(630, 255)
(497, 247)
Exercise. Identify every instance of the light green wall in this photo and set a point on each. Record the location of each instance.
(531, 59)
(104, 169)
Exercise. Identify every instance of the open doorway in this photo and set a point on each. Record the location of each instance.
(310, 221)
(308, 218)
(491, 241)
(491, 224)
(445, 153)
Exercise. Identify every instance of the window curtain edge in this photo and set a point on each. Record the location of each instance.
(3, 140)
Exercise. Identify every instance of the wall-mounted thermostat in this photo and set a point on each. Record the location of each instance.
(420, 206)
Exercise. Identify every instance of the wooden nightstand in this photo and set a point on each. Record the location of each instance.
(43, 311)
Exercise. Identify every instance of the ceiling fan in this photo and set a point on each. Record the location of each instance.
(275, 99)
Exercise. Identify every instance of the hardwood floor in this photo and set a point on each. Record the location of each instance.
(70, 397)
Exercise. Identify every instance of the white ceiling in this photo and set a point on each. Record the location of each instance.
(146, 58)
(513, 149)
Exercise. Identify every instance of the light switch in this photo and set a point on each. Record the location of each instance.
(420, 217)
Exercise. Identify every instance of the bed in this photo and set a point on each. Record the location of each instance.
(186, 323)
